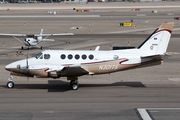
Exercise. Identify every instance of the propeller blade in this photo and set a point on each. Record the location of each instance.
(27, 65)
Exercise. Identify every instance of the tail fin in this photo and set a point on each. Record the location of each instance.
(157, 42)
(40, 37)
(41, 32)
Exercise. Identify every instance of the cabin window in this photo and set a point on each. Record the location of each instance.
(84, 57)
(46, 56)
(63, 56)
(116, 57)
(91, 57)
(70, 56)
(77, 57)
(38, 55)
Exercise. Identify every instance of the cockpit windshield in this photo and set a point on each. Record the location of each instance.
(38, 55)
(30, 36)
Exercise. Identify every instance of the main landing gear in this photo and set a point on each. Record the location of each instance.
(74, 84)
(22, 48)
(10, 84)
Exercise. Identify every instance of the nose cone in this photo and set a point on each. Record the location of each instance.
(9, 67)
(15, 65)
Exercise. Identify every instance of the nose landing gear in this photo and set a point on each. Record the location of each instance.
(10, 84)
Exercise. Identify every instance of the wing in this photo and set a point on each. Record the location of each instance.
(12, 34)
(54, 34)
(55, 70)
(153, 60)
(72, 71)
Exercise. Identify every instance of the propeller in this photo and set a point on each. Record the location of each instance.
(26, 40)
(27, 66)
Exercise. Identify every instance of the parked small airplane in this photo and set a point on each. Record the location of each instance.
(75, 63)
(34, 40)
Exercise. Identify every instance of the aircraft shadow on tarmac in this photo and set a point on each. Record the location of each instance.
(61, 86)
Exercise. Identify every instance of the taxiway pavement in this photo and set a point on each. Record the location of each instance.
(127, 95)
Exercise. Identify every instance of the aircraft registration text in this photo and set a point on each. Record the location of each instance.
(108, 67)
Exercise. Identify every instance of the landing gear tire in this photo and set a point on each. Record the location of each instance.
(41, 47)
(10, 84)
(74, 84)
(22, 48)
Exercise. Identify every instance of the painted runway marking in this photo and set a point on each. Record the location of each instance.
(129, 31)
(174, 79)
(144, 114)
(48, 111)
(46, 16)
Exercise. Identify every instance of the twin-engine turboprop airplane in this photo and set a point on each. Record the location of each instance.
(34, 40)
(75, 63)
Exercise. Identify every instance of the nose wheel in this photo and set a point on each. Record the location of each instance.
(74, 84)
(10, 84)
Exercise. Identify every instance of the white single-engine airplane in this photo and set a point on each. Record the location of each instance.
(75, 63)
(34, 40)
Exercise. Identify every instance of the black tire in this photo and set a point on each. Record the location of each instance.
(41, 47)
(10, 84)
(74, 86)
(71, 82)
(22, 48)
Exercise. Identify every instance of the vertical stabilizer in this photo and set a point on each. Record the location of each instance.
(157, 42)
(41, 32)
(40, 37)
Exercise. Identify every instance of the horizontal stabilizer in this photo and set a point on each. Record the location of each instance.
(48, 40)
(152, 60)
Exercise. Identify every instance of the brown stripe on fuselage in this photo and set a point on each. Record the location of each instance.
(107, 67)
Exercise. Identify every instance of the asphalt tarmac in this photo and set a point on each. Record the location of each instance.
(150, 93)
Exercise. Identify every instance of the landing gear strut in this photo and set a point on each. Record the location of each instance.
(10, 84)
(74, 84)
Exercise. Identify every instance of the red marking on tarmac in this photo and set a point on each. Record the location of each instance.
(15, 55)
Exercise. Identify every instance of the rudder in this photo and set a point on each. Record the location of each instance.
(157, 42)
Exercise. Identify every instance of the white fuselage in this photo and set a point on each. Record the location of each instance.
(94, 62)
(31, 41)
